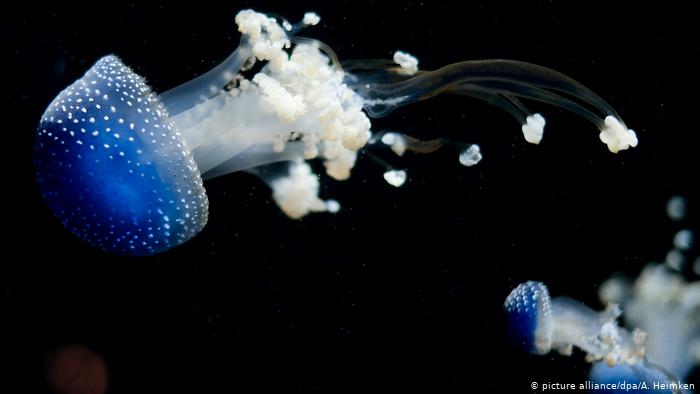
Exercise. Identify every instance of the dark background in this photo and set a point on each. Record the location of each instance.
(402, 290)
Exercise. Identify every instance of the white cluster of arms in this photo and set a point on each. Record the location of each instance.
(303, 91)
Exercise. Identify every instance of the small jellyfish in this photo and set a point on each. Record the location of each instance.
(538, 324)
(662, 306)
(123, 167)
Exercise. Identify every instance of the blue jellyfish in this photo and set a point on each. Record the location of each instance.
(539, 324)
(122, 167)
(662, 305)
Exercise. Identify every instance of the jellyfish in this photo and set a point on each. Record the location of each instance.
(661, 304)
(123, 167)
(538, 324)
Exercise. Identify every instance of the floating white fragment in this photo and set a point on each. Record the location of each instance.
(395, 178)
(332, 206)
(389, 139)
(616, 135)
(396, 142)
(311, 18)
(408, 62)
(683, 239)
(676, 208)
(534, 128)
(470, 156)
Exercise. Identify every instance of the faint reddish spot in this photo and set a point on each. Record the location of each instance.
(75, 369)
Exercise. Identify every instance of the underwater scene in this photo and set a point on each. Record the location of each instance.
(350, 197)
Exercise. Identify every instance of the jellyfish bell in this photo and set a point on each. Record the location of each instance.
(122, 167)
(529, 314)
(113, 167)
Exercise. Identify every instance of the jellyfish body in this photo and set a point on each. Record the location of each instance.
(113, 168)
(122, 167)
(537, 324)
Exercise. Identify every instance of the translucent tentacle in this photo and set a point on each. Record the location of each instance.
(207, 85)
(514, 78)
